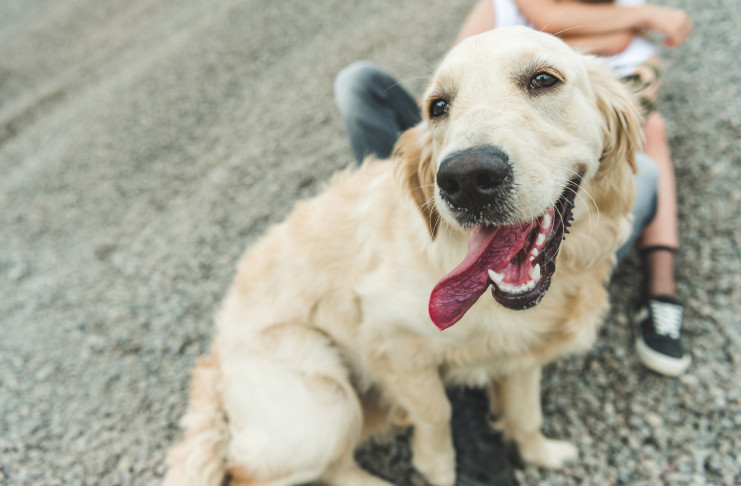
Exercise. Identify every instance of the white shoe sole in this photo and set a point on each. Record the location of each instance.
(662, 363)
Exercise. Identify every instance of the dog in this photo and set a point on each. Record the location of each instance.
(357, 310)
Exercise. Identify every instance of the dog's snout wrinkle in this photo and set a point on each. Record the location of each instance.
(473, 179)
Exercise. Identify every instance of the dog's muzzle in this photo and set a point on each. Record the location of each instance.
(516, 258)
(475, 183)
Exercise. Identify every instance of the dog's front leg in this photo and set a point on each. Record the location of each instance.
(422, 394)
(516, 400)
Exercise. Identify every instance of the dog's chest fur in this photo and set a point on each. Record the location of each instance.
(369, 289)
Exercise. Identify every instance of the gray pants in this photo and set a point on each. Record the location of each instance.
(375, 110)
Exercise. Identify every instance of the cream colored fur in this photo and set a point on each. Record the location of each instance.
(325, 334)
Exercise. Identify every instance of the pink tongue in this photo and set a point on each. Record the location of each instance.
(488, 248)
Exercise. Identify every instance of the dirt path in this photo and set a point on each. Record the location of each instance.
(144, 144)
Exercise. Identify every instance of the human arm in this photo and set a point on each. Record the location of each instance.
(575, 18)
(608, 44)
(480, 19)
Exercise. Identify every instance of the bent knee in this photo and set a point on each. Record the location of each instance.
(354, 82)
(655, 126)
(647, 175)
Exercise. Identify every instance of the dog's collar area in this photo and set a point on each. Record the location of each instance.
(519, 260)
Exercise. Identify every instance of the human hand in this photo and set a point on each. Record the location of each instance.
(674, 23)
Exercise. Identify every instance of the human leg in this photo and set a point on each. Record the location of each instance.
(644, 206)
(374, 108)
(659, 323)
(660, 238)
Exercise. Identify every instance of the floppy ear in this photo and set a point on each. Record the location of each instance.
(415, 171)
(622, 134)
(622, 120)
(613, 187)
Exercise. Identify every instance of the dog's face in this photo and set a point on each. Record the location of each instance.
(514, 122)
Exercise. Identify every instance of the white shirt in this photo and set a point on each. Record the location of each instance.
(624, 63)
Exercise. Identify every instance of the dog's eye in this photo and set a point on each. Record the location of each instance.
(543, 79)
(438, 108)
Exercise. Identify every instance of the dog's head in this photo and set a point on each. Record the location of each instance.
(514, 124)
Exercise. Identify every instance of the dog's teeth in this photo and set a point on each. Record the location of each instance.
(495, 277)
(498, 279)
(547, 220)
(534, 252)
(535, 273)
(540, 240)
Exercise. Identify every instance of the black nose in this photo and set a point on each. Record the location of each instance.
(474, 178)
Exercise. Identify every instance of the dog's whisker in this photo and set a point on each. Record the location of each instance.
(592, 224)
(575, 27)
(584, 191)
(565, 274)
(429, 202)
(398, 83)
(581, 193)
(565, 10)
(423, 186)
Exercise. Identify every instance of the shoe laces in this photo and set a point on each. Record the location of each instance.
(667, 318)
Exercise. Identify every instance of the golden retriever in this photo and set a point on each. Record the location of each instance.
(332, 327)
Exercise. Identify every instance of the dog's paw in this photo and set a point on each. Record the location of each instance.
(436, 465)
(549, 453)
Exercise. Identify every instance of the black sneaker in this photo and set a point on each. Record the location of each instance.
(659, 337)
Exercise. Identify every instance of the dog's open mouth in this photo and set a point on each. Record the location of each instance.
(518, 260)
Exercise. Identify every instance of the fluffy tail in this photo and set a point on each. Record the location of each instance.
(199, 460)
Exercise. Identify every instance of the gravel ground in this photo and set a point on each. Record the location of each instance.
(144, 144)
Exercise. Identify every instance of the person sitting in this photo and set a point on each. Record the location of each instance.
(376, 109)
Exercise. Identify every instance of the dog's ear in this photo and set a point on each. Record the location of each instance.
(622, 120)
(415, 170)
(622, 133)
